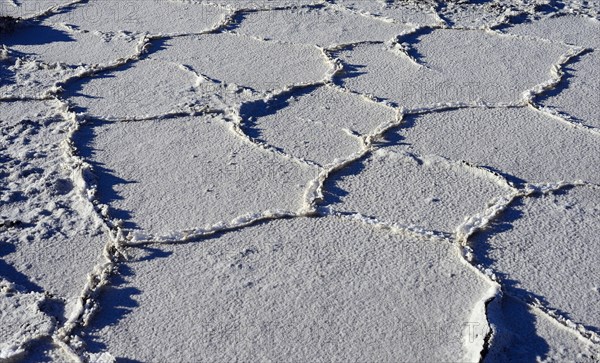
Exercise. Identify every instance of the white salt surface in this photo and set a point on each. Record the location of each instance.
(222, 177)
(290, 290)
(514, 141)
(170, 89)
(322, 125)
(29, 8)
(274, 65)
(403, 12)
(47, 244)
(522, 333)
(450, 67)
(580, 101)
(577, 30)
(175, 17)
(322, 27)
(341, 180)
(432, 193)
(559, 240)
(70, 46)
(22, 320)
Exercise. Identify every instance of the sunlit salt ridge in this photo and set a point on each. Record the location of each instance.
(431, 193)
(533, 241)
(284, 180)
(222, 176)
(270, 280)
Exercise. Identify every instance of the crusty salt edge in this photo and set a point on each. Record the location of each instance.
(256, 7)
(477, 332)
(54, 10)
(482, 220)
(31, 329)
(237, 128)
(386, 19)
(497, 205)
(566, 118)
(97, 278)
(85, 201)
(557, 73)
(585, 334)
(360, 12)
(143, 43)
(103, 357)
(85, 194)
(395, 228)
(436, 160)
(314, 193)
(84, 181)
(139, 238)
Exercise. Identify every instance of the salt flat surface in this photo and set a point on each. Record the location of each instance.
(28, 8)
(512, 141)
(70, 46)
(449, 66)
(260, 4)
(169, 89)
(580, 102)
(314, 180)
(521, 332)
(30, 79)
(320, 125)
(275, 65)
(444, 192)
(223, 177)
(535, 242)
(322, 27)
(576, 30)
(37, 200)
(283, 290)
(15, 112)
(22, 320)
(115, 16)
(409, 12)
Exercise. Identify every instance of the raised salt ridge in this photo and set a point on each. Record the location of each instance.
(320, 180)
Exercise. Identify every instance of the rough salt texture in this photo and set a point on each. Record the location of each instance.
(322, 124)
(46, 244)
(274, 65)
(222, 177)
(426, 192)
(288, 290)
(136, 94)
(407, 12)
(577, 30)
(175, 17)
(562, 224)
(580, 101)
(16, 112)
(70, 46)
(28, 8)
(317, 26)
(449, 66)
(523, 333)
(512, 141)
(321, 180)
(22, 320)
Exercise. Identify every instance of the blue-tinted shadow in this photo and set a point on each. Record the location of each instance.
(106, 179)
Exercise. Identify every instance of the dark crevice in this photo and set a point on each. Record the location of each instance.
(487, 340)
